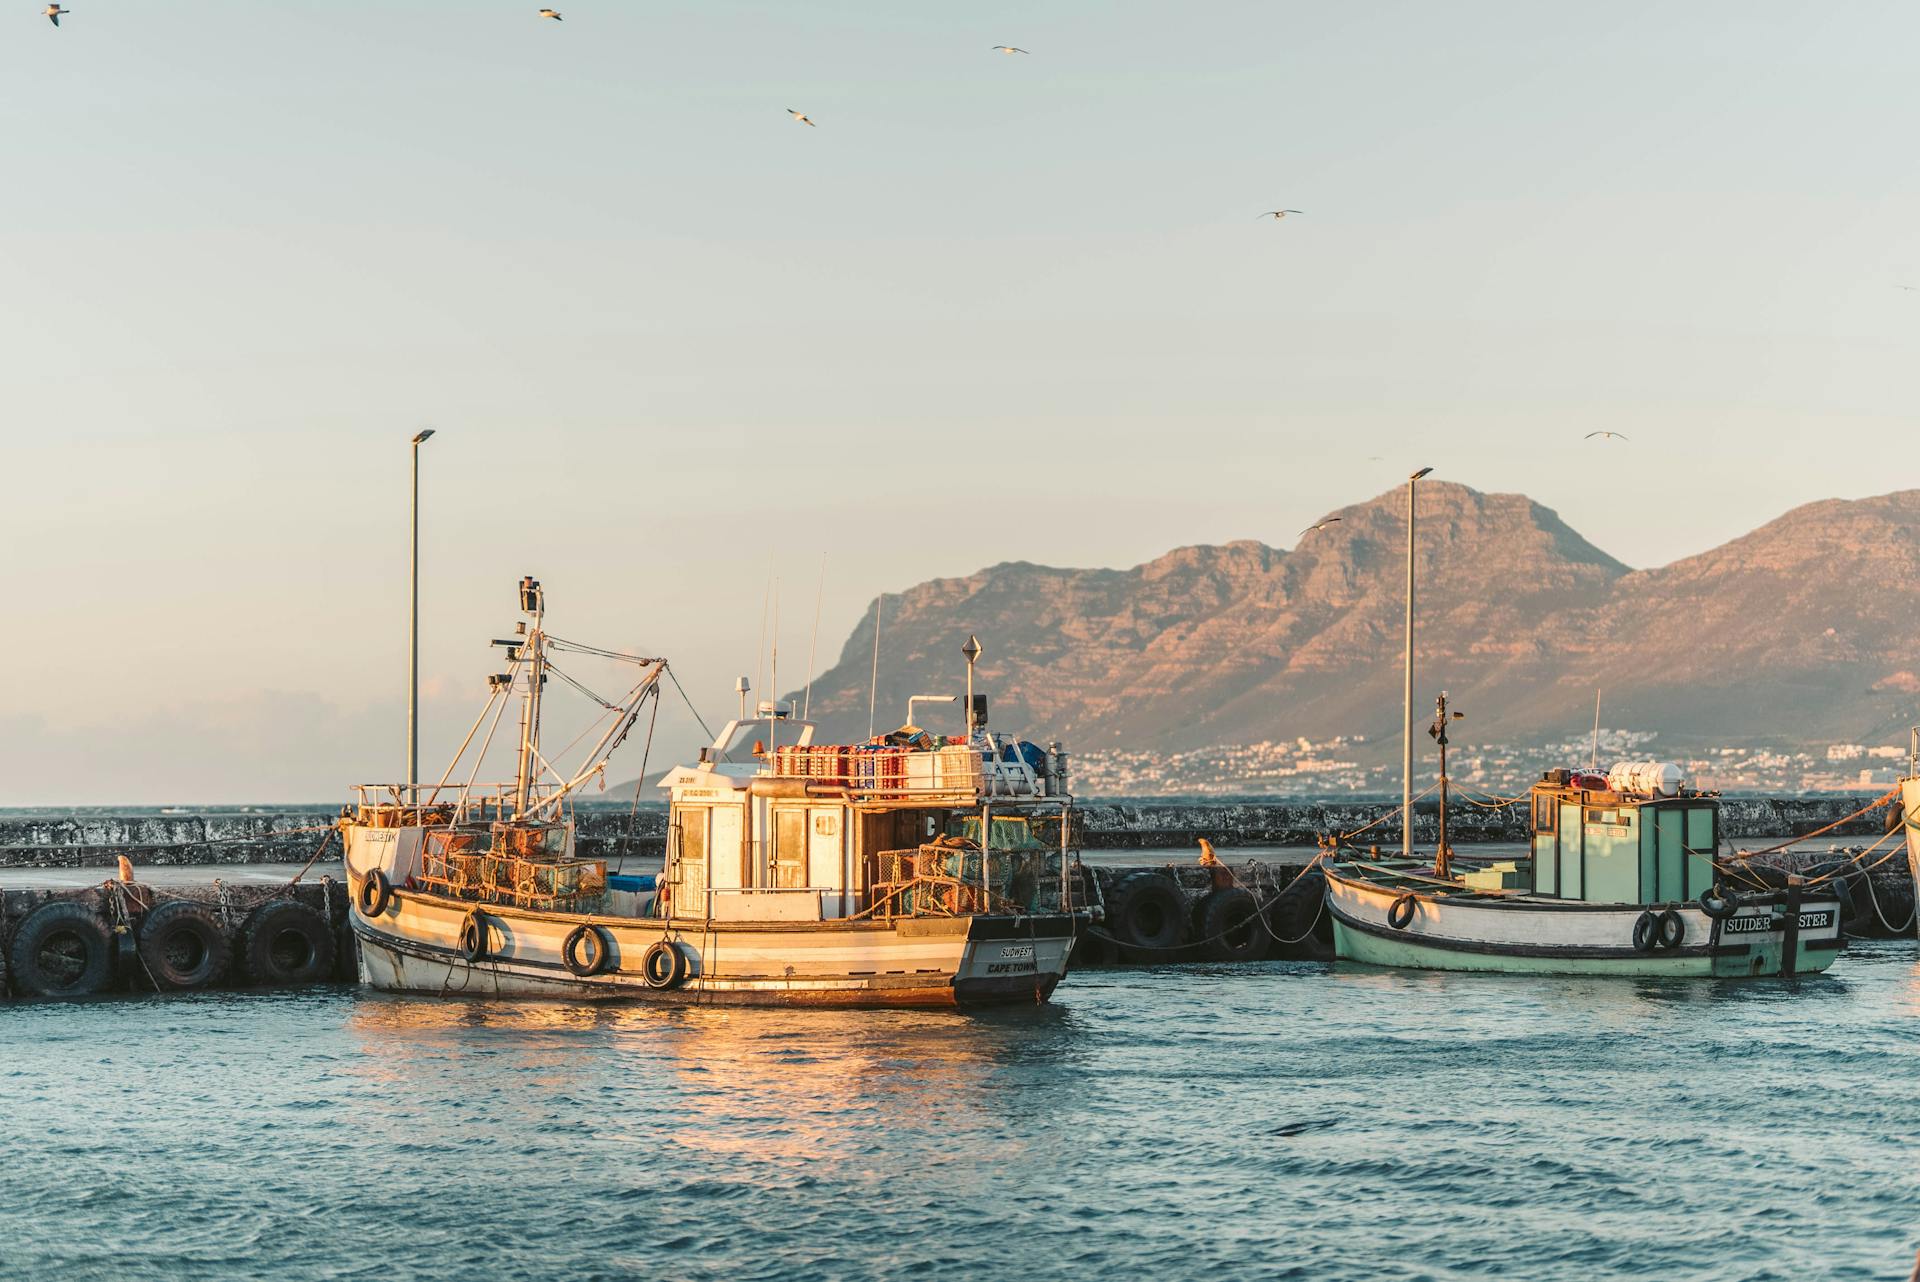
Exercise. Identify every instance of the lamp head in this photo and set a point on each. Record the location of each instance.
(423, 435)
(1422, 472)
(971, 649)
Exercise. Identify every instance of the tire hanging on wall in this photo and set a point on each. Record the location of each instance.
(1147, 913)
(181, 945)
(1230, 928)
(62, 949)
(587, 951)
(286, 942)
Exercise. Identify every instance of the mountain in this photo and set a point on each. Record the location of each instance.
(1804, 627)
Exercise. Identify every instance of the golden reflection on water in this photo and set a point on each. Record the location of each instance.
(719, 1083)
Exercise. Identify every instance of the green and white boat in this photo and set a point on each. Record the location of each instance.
(1620, 879)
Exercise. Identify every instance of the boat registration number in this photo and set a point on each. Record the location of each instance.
(1761, 923)
(1014, 958)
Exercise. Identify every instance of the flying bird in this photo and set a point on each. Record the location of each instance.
(1007, 49)
(551, 13)
(53, 12)
(1276, 214)
(1611, 436)
(1323, 525)
(800, 117)
(1909, 288)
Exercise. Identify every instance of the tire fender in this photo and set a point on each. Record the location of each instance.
(1400, 916)
(181, 945)
(1673, 929)
(587, 951)
(473, 936)
(375, 896)
(664, 965)
(1646, 932)
(62, 949)
(285, 942)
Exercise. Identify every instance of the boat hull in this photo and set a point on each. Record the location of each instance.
(1529, 935)
(415, 946)
(1910, 816)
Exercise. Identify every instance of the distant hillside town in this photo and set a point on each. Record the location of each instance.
(1351, 764)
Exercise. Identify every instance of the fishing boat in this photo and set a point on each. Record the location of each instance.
(918, 870)
(1620, 878)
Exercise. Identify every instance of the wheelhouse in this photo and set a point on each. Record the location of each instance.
(1600, 843)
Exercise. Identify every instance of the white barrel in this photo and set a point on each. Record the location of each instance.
(1646, 778)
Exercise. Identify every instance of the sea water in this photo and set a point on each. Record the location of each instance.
(1282, 1120)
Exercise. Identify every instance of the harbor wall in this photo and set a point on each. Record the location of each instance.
(294, 835)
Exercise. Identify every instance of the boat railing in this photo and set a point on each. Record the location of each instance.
(953, 772)
(953, 879)
(388, 805)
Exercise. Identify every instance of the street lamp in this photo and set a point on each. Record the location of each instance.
(413, 627)
(972, 652)
(1406, 729)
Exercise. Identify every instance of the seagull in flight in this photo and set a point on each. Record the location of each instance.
(1276, 214)
(551, 13)
(53, 12)
(800, 117)
(1611, 436)
(1909, 288)
(1009, 50)
(1323, 525)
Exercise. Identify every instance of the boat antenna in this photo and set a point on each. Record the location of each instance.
(1406, 727)
(773, 690)
(760, 654)
(873, 689)
(813, 646)
(1593, 762)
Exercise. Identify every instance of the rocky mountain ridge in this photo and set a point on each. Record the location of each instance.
(1803, 629)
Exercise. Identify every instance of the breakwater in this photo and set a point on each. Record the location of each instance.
(294, 834)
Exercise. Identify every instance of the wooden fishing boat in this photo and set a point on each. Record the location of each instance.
(917, 871)
(1620, 878)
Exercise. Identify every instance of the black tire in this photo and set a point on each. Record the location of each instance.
(664, 965)
(1297, 918)
(1646, 932)
(346, 953)
(375, 895)
(1719, 903)
(473, 936)
(587, 951)
(286, 942)
(182, 946)
(1673, 929)
(62, 949)
(1147, 913)
(1400, 916)
(1230, 927)
(1093, 947)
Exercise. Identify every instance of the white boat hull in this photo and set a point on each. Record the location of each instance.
(415, 946)
(1910, 816)
(1539, 935)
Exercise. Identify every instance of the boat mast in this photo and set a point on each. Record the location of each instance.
(533, 601)
(1406, 728)
(413, 626)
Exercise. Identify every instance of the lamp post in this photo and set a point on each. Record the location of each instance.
(972, 652)
(1406, 728)
(413, 627)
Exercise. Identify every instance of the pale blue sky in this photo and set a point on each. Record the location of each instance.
(991, 308)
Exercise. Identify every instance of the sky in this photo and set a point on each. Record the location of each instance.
(674, 345)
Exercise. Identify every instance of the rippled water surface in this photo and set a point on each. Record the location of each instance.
(1274, 1121)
